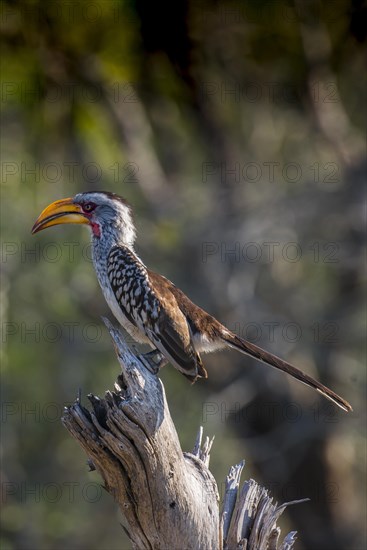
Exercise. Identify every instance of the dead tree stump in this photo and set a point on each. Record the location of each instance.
(168, 498)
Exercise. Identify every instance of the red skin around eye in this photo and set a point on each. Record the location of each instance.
(95, 226)
(91, 204)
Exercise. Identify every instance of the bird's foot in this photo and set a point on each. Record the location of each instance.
(153, 361)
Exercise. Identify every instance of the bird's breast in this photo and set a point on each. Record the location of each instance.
(122, 311)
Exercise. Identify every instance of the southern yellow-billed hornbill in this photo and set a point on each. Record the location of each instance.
(151, 308)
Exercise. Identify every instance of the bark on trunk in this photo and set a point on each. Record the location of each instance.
(168, 498)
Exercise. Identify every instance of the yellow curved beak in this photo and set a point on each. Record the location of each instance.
(62, 211)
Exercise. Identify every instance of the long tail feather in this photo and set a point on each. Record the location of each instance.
(270, 359)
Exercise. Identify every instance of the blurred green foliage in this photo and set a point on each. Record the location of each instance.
(236, 130)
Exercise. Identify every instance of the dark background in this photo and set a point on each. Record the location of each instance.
(236, 131)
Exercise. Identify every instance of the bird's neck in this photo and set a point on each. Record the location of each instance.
(117, 231)
(108, 239)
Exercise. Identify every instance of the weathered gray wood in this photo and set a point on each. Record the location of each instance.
(254, 516)
(168, 498)
(230, 497)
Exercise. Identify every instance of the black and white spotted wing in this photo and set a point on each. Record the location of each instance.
(153, 309)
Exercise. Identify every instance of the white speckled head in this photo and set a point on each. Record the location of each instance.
(109, 215)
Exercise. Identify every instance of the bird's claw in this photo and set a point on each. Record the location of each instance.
(153, 361)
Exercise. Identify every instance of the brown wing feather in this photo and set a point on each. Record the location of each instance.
(147, 303)
(173, 337)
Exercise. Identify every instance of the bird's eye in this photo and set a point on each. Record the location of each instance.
(88, 206)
